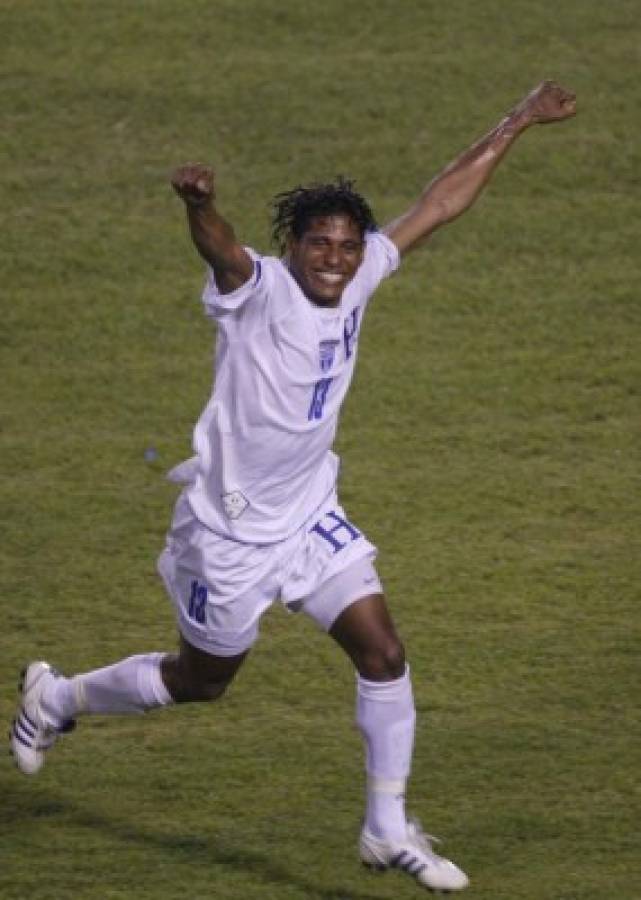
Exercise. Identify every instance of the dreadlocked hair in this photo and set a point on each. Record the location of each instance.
(292, 210)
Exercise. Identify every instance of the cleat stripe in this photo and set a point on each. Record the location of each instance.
(409, 864)
(30, 721)
(415, 868)
(19, 737)
(25, 725)
(22, 733)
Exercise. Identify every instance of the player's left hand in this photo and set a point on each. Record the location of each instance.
(548, 102)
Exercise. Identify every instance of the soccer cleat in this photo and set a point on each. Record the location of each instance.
(31, 736)
(415, 856)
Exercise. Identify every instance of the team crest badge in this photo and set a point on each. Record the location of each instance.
(327, 351)
(234, 504)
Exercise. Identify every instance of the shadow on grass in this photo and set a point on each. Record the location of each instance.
(19, 809)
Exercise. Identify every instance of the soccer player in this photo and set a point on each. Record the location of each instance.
(259, 517)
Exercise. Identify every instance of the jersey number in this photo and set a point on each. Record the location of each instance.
(197, 600)
(318, 399)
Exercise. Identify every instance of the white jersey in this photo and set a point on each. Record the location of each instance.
(283, 366)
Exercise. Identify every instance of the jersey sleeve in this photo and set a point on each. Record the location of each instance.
(381, 260)
(218, 305)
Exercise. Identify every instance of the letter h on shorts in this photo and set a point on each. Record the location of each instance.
(340, 527)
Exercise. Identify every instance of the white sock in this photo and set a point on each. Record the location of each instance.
(132, 685)
(386, 717)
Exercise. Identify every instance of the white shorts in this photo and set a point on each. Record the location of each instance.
(220, 587)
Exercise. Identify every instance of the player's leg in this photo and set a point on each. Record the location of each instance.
(50, 703)
(351, 607)
(217, 630)
(385, 711)
(139, 683)
(346, 600)
(385, 714)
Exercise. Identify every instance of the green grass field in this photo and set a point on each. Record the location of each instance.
(490, 445)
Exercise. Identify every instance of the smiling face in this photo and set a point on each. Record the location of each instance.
(325, 259)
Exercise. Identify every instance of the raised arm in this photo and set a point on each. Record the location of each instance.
(456, 188)
(212, 235)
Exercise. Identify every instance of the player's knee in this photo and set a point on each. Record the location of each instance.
(187, 684)
(383, 662)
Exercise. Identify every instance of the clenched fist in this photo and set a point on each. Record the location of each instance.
(194, 183)
(548, 102)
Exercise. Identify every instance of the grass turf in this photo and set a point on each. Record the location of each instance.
(490, 443)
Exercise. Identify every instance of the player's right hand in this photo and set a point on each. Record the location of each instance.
(194, 183)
